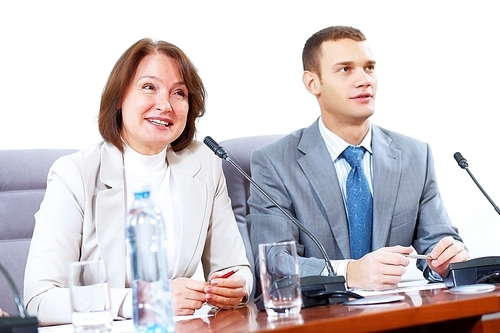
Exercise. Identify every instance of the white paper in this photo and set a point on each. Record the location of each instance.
(127, 326)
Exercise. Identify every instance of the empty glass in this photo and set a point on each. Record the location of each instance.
(279, 277)
(90, 301)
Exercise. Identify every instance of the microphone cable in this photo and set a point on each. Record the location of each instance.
(17, 297)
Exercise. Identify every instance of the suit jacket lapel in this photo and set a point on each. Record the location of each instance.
(320, 171)
(386, 177)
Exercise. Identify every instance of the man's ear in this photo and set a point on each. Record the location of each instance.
(311, 82)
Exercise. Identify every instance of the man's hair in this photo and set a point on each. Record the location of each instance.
(311, 54)
(110, 113)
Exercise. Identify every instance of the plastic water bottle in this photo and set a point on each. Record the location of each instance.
(145, 233)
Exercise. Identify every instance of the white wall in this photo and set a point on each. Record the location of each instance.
(437, 64)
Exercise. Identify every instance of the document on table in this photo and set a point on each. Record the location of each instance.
(403, 287)
(127, 326)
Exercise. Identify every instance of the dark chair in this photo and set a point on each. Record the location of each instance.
(240, 151)
(23, 179)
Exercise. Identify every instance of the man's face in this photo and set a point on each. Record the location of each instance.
(348, 83)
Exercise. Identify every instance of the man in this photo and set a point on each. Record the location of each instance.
(306, 172)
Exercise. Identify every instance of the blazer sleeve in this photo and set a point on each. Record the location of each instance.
(224, 247)
(56, 242)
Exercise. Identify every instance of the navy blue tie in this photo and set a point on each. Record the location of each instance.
(359, 204)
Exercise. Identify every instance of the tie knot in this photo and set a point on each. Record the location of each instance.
(353, 155)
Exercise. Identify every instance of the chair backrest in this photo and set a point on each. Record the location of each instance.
(23, 179)
(240, 151)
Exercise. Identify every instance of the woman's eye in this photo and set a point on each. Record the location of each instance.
(148, 87)
(180, 93)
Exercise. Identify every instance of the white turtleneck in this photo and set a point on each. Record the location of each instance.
(155, 171)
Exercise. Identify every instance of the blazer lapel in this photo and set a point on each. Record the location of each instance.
(110, 212)
(320, 172)
(192, 194)
(386, 177)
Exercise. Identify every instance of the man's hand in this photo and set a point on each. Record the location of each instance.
(378, 270)
(448, 250)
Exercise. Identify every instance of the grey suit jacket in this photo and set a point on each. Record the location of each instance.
(82, 217)
(297, 171)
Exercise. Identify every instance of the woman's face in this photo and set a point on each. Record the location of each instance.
(155, 105)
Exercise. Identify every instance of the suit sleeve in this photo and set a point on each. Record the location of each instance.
(433, 222)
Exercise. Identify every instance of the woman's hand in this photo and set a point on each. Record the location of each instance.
(188, 295)
(3, 313)
(225, 293)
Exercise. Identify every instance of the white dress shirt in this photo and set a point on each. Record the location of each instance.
(336, 145)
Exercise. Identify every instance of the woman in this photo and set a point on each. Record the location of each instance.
(147, 119)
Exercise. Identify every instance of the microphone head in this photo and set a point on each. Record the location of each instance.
(462, 162)
(214, 146)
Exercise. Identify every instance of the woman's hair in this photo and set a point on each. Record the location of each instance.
(110, 115)
(311, 54)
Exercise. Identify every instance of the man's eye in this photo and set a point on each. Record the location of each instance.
(344, 69)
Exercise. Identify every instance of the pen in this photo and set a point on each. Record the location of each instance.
(228, 274)
(417, 256)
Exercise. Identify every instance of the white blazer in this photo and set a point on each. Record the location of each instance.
(82, 217)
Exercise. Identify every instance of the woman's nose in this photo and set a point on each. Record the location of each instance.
(163, 104)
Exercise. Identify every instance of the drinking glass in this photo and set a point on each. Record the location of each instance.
(279, 277)
(90, 301)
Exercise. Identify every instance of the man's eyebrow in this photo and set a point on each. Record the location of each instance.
(351, 63)
(344, 63)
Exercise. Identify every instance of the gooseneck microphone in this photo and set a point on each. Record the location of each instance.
(23, 323)
(221, 152)
(316, 290)
(462, 162)
(476, 270)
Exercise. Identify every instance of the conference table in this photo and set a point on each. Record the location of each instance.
(423, 308)
(429, 309)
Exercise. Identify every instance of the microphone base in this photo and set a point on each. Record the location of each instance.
(319, 290)
(472, 271)
(18, 325)
(323, 290)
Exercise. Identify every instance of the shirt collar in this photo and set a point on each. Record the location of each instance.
(336, 145)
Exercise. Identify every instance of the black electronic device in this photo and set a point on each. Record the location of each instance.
(23, 323)
(18, 325)
(477, 270)
(316, 290)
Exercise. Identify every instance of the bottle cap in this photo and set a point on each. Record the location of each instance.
(141, 187)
